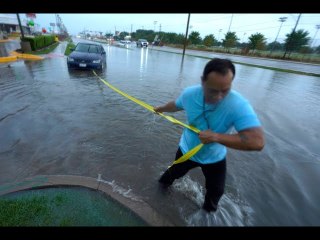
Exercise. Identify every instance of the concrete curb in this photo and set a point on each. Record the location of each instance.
(138, 206)
(14, 56)
(5, 40)
(26, 56)
(8, 59)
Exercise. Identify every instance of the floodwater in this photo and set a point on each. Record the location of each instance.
(7, 47)
(53, 121)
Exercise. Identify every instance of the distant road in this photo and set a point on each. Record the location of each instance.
(282, 64)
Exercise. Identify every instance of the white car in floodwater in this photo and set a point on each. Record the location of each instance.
(124, 43)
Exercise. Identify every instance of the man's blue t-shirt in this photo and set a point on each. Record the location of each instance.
(233, 111)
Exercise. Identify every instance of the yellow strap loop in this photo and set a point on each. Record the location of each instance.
(169, 118)
(188, 155)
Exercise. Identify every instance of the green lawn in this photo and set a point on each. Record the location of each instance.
(68, 48)
(64, 207)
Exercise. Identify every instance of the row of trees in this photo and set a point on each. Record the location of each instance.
(295, 41)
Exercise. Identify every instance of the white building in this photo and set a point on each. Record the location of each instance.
(9, 23)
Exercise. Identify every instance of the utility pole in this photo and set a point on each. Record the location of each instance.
(296, 23)
(57, 22)
(230, 23)
(186, 37)
(282, 20)
(20, 26)
(290, 39)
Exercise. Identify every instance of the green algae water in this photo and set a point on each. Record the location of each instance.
(61, 206)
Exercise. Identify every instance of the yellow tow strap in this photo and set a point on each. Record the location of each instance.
(169, 118)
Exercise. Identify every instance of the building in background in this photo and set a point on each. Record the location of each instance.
(9, 24)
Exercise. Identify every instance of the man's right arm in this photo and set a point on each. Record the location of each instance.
(169, 107)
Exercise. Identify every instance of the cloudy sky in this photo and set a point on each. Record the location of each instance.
(243, 24)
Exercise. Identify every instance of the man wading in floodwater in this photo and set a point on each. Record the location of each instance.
(215, 109)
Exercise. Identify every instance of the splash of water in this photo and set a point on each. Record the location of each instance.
(232, 211)
(122, 191)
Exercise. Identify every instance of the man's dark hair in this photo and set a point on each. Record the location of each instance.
(218, 65)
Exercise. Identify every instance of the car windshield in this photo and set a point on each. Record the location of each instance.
(87, 48)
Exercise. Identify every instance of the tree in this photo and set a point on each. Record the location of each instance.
(318, 49)
(230, 40)
(122, 35)
(295, 40)
(180, 38)
(257, 41)
(194, 38)
(143, 34)
(172, 38)
(275, 46)
(305, 49)
(109, 35)
(209, 40)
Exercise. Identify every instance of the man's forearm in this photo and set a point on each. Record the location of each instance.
(252, 139)
(169, 107)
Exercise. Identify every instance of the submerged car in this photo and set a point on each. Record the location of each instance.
(142, 43)
(124, 43)
(87, 56)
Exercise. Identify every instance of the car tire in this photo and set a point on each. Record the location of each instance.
(102, 67)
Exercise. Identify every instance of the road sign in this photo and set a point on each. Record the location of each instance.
(31, 15)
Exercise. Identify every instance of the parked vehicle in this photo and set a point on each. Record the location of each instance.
(87, 55)
(142, 43)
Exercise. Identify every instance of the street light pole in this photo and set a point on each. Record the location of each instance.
(317, 27)
(243, 36)
(219, 34)
(186, 37)
(282, 20)
(20, 26)
(154, 29)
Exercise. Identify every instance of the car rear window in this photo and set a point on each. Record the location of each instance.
(82, 48)
(87, 48)
(93, 49)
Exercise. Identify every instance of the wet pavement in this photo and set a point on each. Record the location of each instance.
(59, 122)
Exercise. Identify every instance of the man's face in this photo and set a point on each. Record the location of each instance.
(216, 86)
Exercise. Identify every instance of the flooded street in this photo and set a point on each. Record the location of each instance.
(56, 121)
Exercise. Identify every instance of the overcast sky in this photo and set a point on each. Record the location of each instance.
(243, 24)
